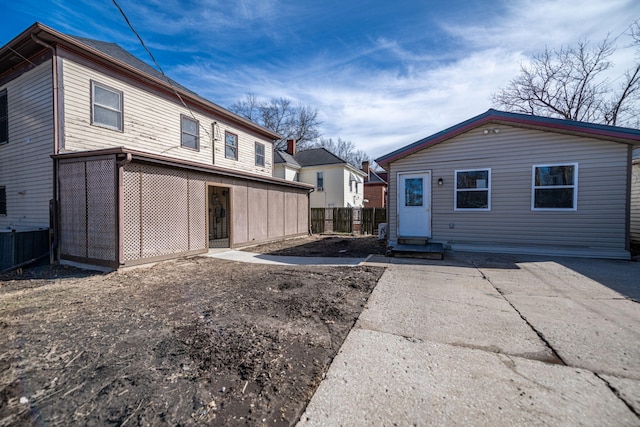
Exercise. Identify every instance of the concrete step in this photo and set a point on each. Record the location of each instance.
(427, 251)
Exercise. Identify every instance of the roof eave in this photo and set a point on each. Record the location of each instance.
(179, 163)
(609, 133)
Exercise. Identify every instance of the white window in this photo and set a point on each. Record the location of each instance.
(320, 181)
(190, 132)
(555, 187)
(106, 106)
(259, 154)
(473, 190)
(231, 146)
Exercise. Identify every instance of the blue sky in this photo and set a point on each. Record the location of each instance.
(382, 74)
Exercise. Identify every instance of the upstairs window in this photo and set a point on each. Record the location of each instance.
(4, 118)
(320, 181)
(106, 106)
(231, 146)
(190, 133)
(259, 154)
(3, 201)
(555, 187)
(473, 190)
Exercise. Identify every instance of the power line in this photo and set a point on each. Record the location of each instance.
(169, 81)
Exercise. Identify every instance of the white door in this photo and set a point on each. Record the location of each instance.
(414, 204)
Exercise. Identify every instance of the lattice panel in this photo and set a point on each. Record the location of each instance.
(165, 228)
(101, 209)
(73, 213)
(157, 212)
(197, 211)
(131, 247)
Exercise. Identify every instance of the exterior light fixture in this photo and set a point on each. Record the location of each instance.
(440, 182)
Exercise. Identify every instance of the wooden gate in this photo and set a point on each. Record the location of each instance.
(347, 220)
(371, 218)
(343, 220)
(317, 220)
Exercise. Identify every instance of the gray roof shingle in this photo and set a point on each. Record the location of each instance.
(117, 52)
(317, 156)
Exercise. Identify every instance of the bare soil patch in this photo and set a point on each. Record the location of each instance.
(195, 341)
(324, 245)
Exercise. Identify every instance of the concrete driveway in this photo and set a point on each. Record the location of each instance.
(487, 339)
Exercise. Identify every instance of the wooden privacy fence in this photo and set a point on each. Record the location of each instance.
(347, 220)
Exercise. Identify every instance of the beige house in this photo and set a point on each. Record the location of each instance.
(337, 183)
(126, 165)
(515, 183)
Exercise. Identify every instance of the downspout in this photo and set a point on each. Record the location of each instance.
(627, 219)
(120, 207)
(54, 233)
(309, 210)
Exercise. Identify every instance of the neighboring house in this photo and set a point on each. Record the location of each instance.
(285, 166)
(375, 188)
(337, 183)
(506, 182)
(126, 165)
(635, 197)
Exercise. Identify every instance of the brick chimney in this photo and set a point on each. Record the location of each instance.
(365, 168)
(291, 146)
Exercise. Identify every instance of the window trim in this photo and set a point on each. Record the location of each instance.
(235, 149)
(184, 117)
(264, 154)
(93, 104)
(318, 175)
(3, 200)
(574, 187)
(5, 96)
(456, 190)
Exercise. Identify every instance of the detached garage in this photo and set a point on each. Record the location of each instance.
(514, 183)
(120, 207)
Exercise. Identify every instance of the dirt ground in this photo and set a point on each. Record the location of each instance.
(325, 245)
(195, 341)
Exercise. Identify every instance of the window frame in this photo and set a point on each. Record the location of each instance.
(258, 155)
(3, 200)
(4, 98)
(319, 178)
(184, 117)
(456, 190)
(574, 208)
(227, 146)
(107, 88)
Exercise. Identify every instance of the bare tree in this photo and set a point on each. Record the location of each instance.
(282, 117)
(344, 149)
(571, 83)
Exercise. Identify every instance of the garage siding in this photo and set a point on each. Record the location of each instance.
(635, 202)
(511, 153)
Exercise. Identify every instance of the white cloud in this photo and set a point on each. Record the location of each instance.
(381, 109)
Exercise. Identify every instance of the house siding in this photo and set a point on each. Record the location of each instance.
(284, 172)
(336, 186)
(599, 221)
(352, 198)
(26, 168)
(151, 124)
(375, 194)
(333, 193)
(635, 202)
